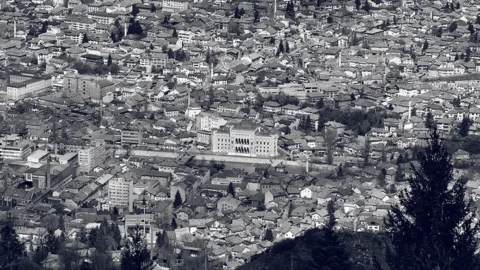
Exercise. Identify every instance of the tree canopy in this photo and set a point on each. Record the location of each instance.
(433, 226)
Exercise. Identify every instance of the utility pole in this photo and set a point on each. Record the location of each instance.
(206, 255)
(291, 261)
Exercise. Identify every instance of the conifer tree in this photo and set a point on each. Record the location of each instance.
(429, 121)
(268, 235)
(433, 226)
(135, 254)
(177, 200)
(464, 127)
(109, 61)
(231, 189)
(85, 38)
(11, 250)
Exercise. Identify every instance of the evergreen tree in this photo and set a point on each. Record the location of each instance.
(101, 261)
(174, 223)
(109, 61)
(458, 5)
(85, 38)
(268, 235)
(52, 242)
(413, 112)
(425, 45)
(211, 97)
(464, 127)
(366, 153)
(175, 34)
(170, 54)
(331, 215)
(11, 250)
(135, 10)
(329, 19)
(281, 49)
(456, 57)
(231, 189)
(468, 53)
(116, 234)
(433, 226)
(358, 4)
(162, 239)
(256, 15)
(366, 6)
(471, 29)
(452, 27)
(61, 223)
(290, 10)
(44, 27)
(330, 140)
(381, 177)
(429, 121)
(178, 200)
(153, 8)
(399, 175)
(287, 47)
(237, 13)
(113, 37)
(305, 124)
(340, 171)
(135, 254)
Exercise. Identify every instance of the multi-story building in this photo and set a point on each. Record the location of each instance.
(91, 157)
(15, 151)
(208, 121)
(246, 138)
(131, 136)
(81, 23)
(103, 17)
(16, 91)
(42, 180)
(120, 192)
(174, 5)
(86, 86)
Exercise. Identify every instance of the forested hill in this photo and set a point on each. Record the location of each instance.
(324, 250)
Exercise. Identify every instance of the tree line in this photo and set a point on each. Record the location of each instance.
(433, 226)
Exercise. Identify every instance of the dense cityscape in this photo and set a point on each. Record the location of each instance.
(178, 134)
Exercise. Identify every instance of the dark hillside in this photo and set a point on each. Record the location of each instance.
(320, 249)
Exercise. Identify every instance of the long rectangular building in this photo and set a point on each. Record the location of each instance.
(246, 138)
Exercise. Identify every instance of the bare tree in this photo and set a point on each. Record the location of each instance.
(330, 140)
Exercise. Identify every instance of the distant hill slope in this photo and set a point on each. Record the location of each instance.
(317, 250)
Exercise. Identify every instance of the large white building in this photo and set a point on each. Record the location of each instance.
(15, 151)
(91, 157)
(246, 138)
(174, 5)
(208, 121)
(120, 192)
(16, 91)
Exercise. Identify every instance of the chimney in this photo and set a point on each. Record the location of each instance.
(49, 176)
(211, 71)
(130, 196)
(409, 110)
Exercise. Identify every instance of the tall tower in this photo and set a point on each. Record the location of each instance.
(49, 176)
(409, 110)
(14, 27)
(125, 29)
(274, 9)
(188, 95)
